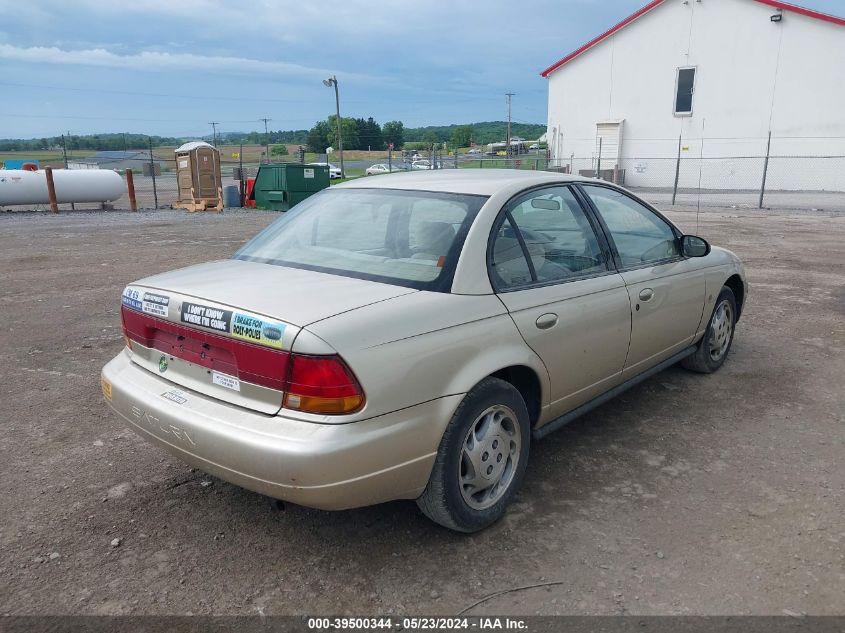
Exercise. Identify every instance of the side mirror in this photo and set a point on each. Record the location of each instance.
(694, 246)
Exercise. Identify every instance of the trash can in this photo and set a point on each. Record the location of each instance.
(231, 196)
(280, 186)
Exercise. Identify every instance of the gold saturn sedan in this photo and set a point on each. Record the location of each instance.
(408, 337)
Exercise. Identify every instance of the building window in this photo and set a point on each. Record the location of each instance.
(684, 88)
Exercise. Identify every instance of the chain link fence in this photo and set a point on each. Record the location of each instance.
(779, 182)
(783, 182)
(154, 178)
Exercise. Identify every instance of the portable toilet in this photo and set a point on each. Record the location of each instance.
(279, 186)
(198, 177)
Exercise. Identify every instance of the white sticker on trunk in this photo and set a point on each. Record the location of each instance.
(225, 380)
(176, 395)
(155, 304)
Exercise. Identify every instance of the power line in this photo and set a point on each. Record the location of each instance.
(214, 125)
(146, 94)
(111, 118)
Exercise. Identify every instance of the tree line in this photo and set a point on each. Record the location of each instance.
(358, 133)
(98, 142)
(368, 134)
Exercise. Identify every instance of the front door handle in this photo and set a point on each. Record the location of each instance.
(545, 321)
(646, 294)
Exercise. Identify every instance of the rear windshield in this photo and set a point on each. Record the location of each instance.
(406, 238)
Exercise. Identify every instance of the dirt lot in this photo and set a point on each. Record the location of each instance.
(718, 494)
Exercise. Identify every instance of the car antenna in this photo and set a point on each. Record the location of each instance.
(700, 165)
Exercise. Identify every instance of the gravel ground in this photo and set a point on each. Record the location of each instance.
(690, 494)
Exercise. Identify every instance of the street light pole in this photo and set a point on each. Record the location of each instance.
(332, 81)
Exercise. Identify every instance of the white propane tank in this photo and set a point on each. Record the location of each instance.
(72, 185)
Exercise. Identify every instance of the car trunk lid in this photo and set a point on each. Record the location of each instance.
(225, 329)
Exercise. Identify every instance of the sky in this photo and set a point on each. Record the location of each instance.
(169, 67)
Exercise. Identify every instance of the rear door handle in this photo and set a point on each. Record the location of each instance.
(546, 321)
(646, 294)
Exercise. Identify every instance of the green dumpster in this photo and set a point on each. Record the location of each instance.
(279, 186)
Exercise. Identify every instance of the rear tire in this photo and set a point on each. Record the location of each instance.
(481, 460)
(716, 342)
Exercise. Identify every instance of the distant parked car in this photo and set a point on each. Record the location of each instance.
(474, 150)
(534, 146)
(380, 168)
(334, 170)
(421, 164)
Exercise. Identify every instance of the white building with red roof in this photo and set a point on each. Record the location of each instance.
(706, 78)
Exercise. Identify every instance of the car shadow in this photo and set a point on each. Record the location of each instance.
(626, 439)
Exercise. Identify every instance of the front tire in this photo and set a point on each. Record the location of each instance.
(481, 460)
(716, 342)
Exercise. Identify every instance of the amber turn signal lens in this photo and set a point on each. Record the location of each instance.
(329, 406)
(105, 385)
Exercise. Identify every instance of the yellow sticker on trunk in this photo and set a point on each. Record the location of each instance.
(249, 327)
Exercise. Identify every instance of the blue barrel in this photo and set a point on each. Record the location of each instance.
(231, 196)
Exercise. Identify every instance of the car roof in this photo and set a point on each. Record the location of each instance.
(483, 182)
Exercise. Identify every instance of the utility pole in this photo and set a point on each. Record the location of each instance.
(266, 140)
(509, 95)
(214, 125)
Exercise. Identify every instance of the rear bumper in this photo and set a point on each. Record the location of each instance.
(327, 466)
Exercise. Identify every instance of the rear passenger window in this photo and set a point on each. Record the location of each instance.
(510, 268)
(558, 238)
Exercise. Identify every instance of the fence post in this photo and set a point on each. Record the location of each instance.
(598, 163)
(130, 186)
(241, 179)
(677, 172)
(765, 169)
(51, 190)
(153, 172)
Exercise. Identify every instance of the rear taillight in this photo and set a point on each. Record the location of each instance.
(312, 384)
(322, 384)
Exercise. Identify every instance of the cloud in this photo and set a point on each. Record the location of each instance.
(157, 61)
